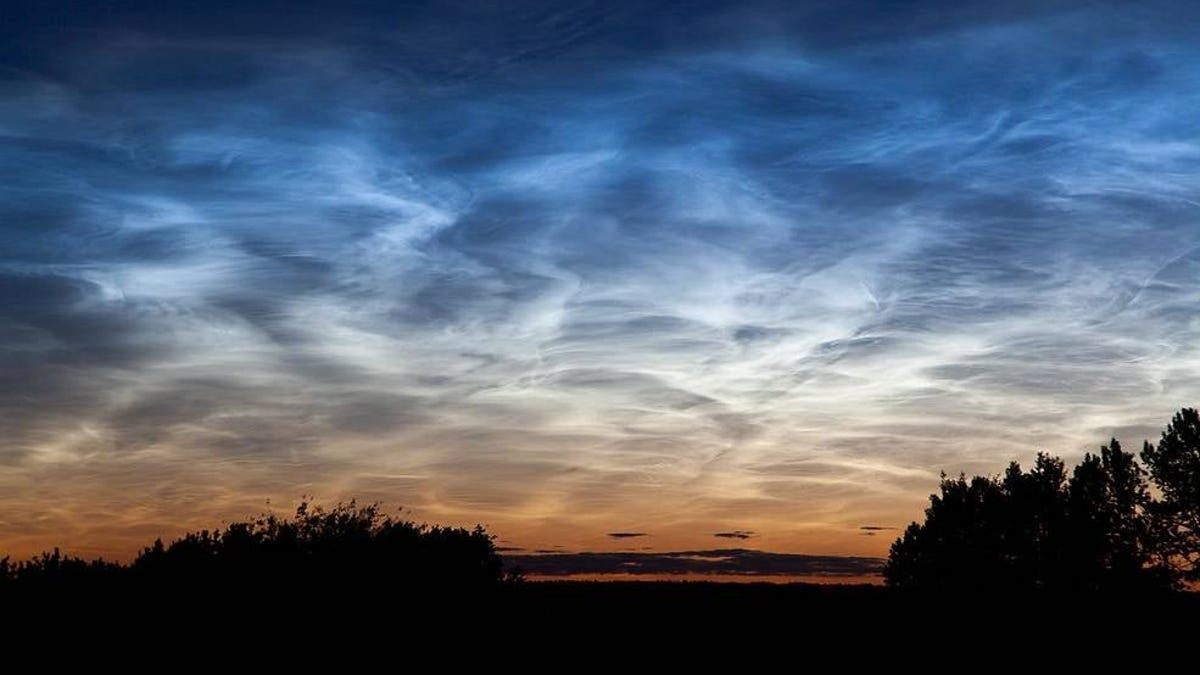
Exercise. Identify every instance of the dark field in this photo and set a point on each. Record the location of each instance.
(577, 626)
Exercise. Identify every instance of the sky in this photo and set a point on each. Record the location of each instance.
(712, 274)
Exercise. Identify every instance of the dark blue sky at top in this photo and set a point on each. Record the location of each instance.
(554, 261)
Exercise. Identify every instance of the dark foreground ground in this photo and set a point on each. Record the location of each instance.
(863, 609)
(586, 622)
(684, 601)
(800, 627)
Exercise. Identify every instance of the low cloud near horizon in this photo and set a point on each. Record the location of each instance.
(735, 534)
(732, 562)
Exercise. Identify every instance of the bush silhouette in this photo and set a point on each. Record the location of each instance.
(55, 571)
(318, 556)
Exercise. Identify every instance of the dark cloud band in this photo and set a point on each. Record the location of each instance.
(739, 562)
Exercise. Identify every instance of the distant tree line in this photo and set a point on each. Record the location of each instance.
(316, 555)
(1112, 525)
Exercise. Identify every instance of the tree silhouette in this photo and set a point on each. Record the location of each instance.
(987, 533)
(1036, 531)
(1110, 543)
(1031, 520)
(1174, 466)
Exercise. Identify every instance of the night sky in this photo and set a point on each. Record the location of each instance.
(750, 272)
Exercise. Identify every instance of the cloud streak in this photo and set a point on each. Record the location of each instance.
(735, 534)
(558, 267)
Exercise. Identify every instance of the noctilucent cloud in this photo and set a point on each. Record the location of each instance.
(574, 269)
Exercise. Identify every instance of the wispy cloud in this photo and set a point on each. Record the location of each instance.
(558, 267)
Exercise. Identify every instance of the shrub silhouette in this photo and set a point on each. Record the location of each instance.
(55, 571)
(318, 556)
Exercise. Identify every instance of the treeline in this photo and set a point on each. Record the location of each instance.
(317, 555)
(1113, 525)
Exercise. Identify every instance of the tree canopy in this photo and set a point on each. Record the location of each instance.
(1112, 525)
